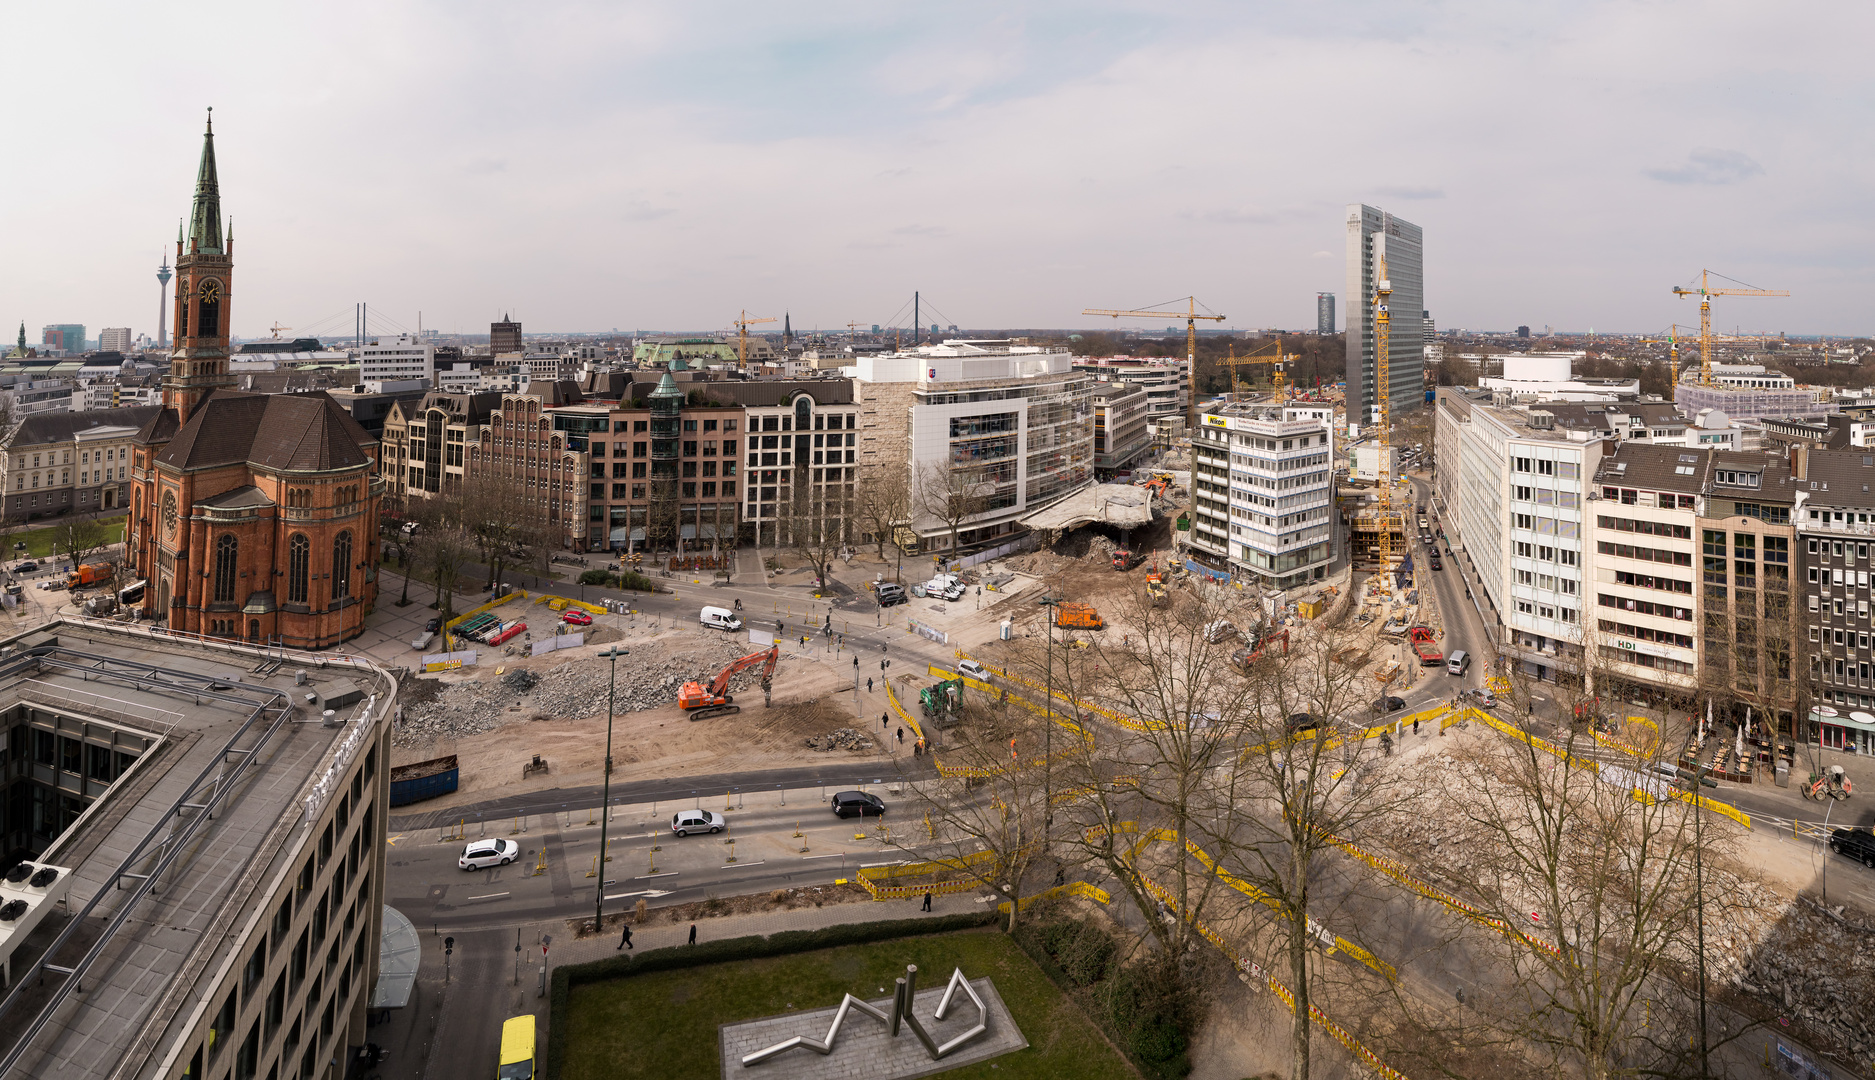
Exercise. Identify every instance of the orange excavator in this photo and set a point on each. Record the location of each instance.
(703, 702)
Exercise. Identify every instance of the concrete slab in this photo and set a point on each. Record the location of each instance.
(865, 1049)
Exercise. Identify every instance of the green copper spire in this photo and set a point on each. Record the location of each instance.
(22, 339)
(205, 218)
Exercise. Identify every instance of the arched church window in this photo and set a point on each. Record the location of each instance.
(227, 563)
(342, 565)
(299, 556)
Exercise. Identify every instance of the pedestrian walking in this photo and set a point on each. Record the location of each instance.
(927, 901)
(625, 942)
(1415, 725)
(869, 686)
(917, 748)
(901, 736)
(882, 722)
(693, 933)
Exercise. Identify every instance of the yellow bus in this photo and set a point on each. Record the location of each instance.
(517, 1049)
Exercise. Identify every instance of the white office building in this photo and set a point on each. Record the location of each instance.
(114, 339)
(1372, 233)
(396, 360)
(1263, 493)
(1013, 426)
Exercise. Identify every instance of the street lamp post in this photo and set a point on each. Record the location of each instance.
(605, 787)
(1049, 604)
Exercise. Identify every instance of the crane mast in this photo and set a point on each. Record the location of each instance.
(1706, 292)
(1383, 292)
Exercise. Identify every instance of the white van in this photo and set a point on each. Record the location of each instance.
(1459, 662)
(720, 618)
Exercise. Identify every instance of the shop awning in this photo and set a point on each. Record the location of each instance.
(400, 952)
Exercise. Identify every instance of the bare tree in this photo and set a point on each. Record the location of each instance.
(950, 496)
(986, 816)
(443, 547)
(883, 507)
(79, 538)
(503, 515)
(1309, 782)
(814, 525)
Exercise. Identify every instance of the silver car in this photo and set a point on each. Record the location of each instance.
(685, 822)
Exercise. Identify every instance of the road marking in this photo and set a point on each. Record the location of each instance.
(649, 894)
(647, 877)
(734, 866)
(894, 862)
(490, 896)
(392, 840)
(835, 855)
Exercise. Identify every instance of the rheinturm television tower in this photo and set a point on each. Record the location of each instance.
(163, 274)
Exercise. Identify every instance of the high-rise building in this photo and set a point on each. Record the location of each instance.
(1324, 313)
(1372, 234)
(504, 337)
(114, 339)
(399, 359)
(65, 337)
(1431, 331)
(1275, 542)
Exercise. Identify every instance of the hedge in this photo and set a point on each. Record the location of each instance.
(754, 947)
(624, 579)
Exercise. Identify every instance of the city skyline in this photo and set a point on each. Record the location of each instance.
(840, 159)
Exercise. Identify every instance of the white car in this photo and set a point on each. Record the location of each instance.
(685, 822)
(482, 853)
(970, 669)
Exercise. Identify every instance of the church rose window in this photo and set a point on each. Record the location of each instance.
(299, 553)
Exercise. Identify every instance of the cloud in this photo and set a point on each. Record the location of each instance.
(920, 230)
(1322, 255)
(1237, 217)
(486, 166)
(644, 211)
(1710, 165)
(1410, 193)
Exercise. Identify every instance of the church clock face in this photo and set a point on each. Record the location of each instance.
(170, 517)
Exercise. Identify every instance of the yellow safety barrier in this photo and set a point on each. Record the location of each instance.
(1072, 888)
(518, 594)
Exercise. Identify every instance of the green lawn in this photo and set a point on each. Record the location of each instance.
(40, 542)
(663, 1024)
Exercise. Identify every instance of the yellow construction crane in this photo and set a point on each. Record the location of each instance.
(276, 330)
(742, 337)
(1706, 292)
(1191, 317)
(1383, 326)
(1276, 368)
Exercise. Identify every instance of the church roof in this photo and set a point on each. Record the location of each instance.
(58, 426)
(245, 497)
(278, 432)
(205, 214)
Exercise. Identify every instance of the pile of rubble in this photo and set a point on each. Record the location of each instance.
(839, 739)
(1818, 968)
(575, 689)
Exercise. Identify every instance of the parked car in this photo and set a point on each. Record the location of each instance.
(685, 822)
(1858, 844)
(576, 617)
(435, 624)
(973, 670)
(891, 593)
(27, 567)
(1389, 704)
(481, 853)
(1482, 699)
(856, 804)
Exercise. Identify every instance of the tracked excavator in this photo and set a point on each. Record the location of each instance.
(702, 702)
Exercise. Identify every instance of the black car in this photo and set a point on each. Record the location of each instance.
(1300, 722)
(435, 624)
(1438, 564)
(27, 567)
(1858, 844)
(856, 804)
(891, 594)
(1389, 704)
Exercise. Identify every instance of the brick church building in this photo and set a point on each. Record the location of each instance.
(253, 516)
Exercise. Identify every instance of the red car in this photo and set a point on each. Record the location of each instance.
(576, 618)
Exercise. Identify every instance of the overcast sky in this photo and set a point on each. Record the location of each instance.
(595, 166)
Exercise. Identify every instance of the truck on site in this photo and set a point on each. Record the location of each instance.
(90, 574)
(1155, 584)
(942, 700)
(1127, 558)
(702, 702)
(1424, 646)
(1078, 617)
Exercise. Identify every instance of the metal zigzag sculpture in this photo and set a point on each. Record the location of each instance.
(904, 991)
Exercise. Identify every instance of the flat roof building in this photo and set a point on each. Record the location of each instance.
(219, 841)
(1372, 233)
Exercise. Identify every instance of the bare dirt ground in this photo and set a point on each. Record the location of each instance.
(811, 701)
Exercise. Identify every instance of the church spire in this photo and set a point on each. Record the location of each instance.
(787, 331)
(205, 216)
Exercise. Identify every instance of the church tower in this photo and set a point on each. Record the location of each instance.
(204, 288)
